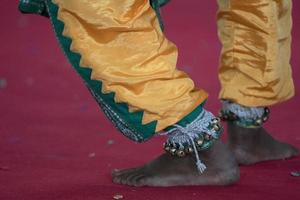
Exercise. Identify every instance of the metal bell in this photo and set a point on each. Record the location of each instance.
(216, 127)
(167, 148)
(173, 151)
(258, 122)
(180, 153)
(265, 118)
(199, 142)
(207, 136)
(215, 121)
(189, 150)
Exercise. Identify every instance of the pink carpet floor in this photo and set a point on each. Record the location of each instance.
(56, 144)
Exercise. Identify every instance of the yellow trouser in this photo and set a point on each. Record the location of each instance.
(256, 39)
(122, 43)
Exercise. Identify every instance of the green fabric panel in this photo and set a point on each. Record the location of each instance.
(156, 4)
(33, 7)
(162, 2)
(133, 121)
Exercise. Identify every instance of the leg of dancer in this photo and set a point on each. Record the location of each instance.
(254, 73)
(129, 66)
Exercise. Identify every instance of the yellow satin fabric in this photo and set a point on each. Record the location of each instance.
(122, 43)
(256, 39)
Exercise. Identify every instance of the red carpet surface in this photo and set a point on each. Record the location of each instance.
(56, 144)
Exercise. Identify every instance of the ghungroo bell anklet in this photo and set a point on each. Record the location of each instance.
(248, 117)
(196, 136)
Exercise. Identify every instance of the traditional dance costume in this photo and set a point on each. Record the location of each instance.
(125, 60)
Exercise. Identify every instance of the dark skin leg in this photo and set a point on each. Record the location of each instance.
(252, 145)
(167, 170)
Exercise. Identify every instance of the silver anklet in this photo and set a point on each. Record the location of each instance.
(247, 117)
(196, 136)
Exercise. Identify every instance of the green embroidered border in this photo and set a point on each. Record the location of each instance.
(124, 120)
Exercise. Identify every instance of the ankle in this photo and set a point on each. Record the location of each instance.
(243, 116)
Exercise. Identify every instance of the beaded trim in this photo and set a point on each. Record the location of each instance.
(248, 117)
(196, 136)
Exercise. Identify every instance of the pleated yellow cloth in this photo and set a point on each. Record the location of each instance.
(256, 39)
(121, 41)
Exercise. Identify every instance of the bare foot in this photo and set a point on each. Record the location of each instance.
(167, 170)
(252, 145)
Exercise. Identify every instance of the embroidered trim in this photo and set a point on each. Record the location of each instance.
(129, 124)
(248, 117)
(138, 133)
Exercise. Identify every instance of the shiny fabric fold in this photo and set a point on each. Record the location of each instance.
(256, 39)
(124, 47)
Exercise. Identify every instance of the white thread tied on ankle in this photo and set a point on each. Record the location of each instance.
(180, 135)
